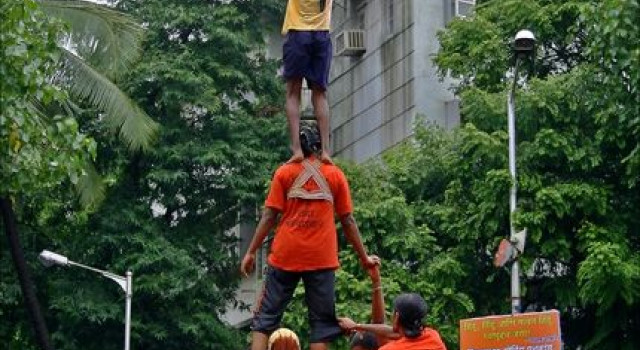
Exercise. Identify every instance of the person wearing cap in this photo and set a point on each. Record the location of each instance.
(302, 200)
(407, 331)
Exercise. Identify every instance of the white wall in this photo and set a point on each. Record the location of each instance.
(374, 98)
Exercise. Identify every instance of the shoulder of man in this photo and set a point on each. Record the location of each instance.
(288, 172)
(286, 169)
(332, 170)
(434, 338)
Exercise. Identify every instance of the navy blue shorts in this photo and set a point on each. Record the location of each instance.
(307, 54)
(319, 295)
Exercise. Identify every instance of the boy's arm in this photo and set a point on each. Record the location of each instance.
(267, 221)
(352, 234)
(377, 299)
(377, 302)
(344, 209)
(383, 331)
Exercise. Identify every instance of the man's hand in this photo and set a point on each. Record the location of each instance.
(248, 264)
(374, 273)
(370, 262)
(346, 324)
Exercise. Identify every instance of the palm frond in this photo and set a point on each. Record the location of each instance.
(122, 115)
(109, 40)
(90, 187)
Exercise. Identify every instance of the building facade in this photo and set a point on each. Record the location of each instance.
(382, 76)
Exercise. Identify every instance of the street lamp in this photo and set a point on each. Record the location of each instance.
(50, 258)
(523, 47)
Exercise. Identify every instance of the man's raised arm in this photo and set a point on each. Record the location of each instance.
(377, 298)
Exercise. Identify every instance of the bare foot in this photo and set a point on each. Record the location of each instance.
(326, 158)
(297, 157)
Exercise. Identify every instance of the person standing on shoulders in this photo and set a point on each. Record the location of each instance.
(302, 200)
(307, 53)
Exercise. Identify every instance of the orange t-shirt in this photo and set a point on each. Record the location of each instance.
(306, 238)
(428, 340)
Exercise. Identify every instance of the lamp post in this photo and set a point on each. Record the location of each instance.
(523, 46)
(50, 258)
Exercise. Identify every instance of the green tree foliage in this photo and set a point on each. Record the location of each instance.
(38, 151)
(98, 46)
(167, 213)
(94, 46)
(578, 144)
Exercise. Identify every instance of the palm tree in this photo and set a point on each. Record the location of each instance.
(100, 45)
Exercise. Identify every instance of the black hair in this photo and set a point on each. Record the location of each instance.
(366, 340)
(310, 140)
(411, 309)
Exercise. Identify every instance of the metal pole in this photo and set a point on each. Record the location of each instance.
(49, 258)
(127, 311)
(511, 114)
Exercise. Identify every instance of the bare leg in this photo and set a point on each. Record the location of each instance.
(259, 341)
(318, 346)
(321, 108)
(292, 108)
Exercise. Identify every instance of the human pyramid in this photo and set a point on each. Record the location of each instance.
(304, 195)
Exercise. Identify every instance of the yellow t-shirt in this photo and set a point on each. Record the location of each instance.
(307, 15)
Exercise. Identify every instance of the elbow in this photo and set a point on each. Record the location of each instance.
(269, 215)
(347, 220)
(349, 225)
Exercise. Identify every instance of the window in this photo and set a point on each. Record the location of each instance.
(360, 11)
(457, 8)
(452, 113)
(463, 8)
(390, 14)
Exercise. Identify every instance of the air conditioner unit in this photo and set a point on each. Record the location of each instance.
(350, 43)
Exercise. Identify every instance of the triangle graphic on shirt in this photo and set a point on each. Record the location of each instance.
(311, 181)
(311, 172)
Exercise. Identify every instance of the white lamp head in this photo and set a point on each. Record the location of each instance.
(524, 42)
(50, 258)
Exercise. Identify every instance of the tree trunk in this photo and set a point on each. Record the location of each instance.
(22, 270)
